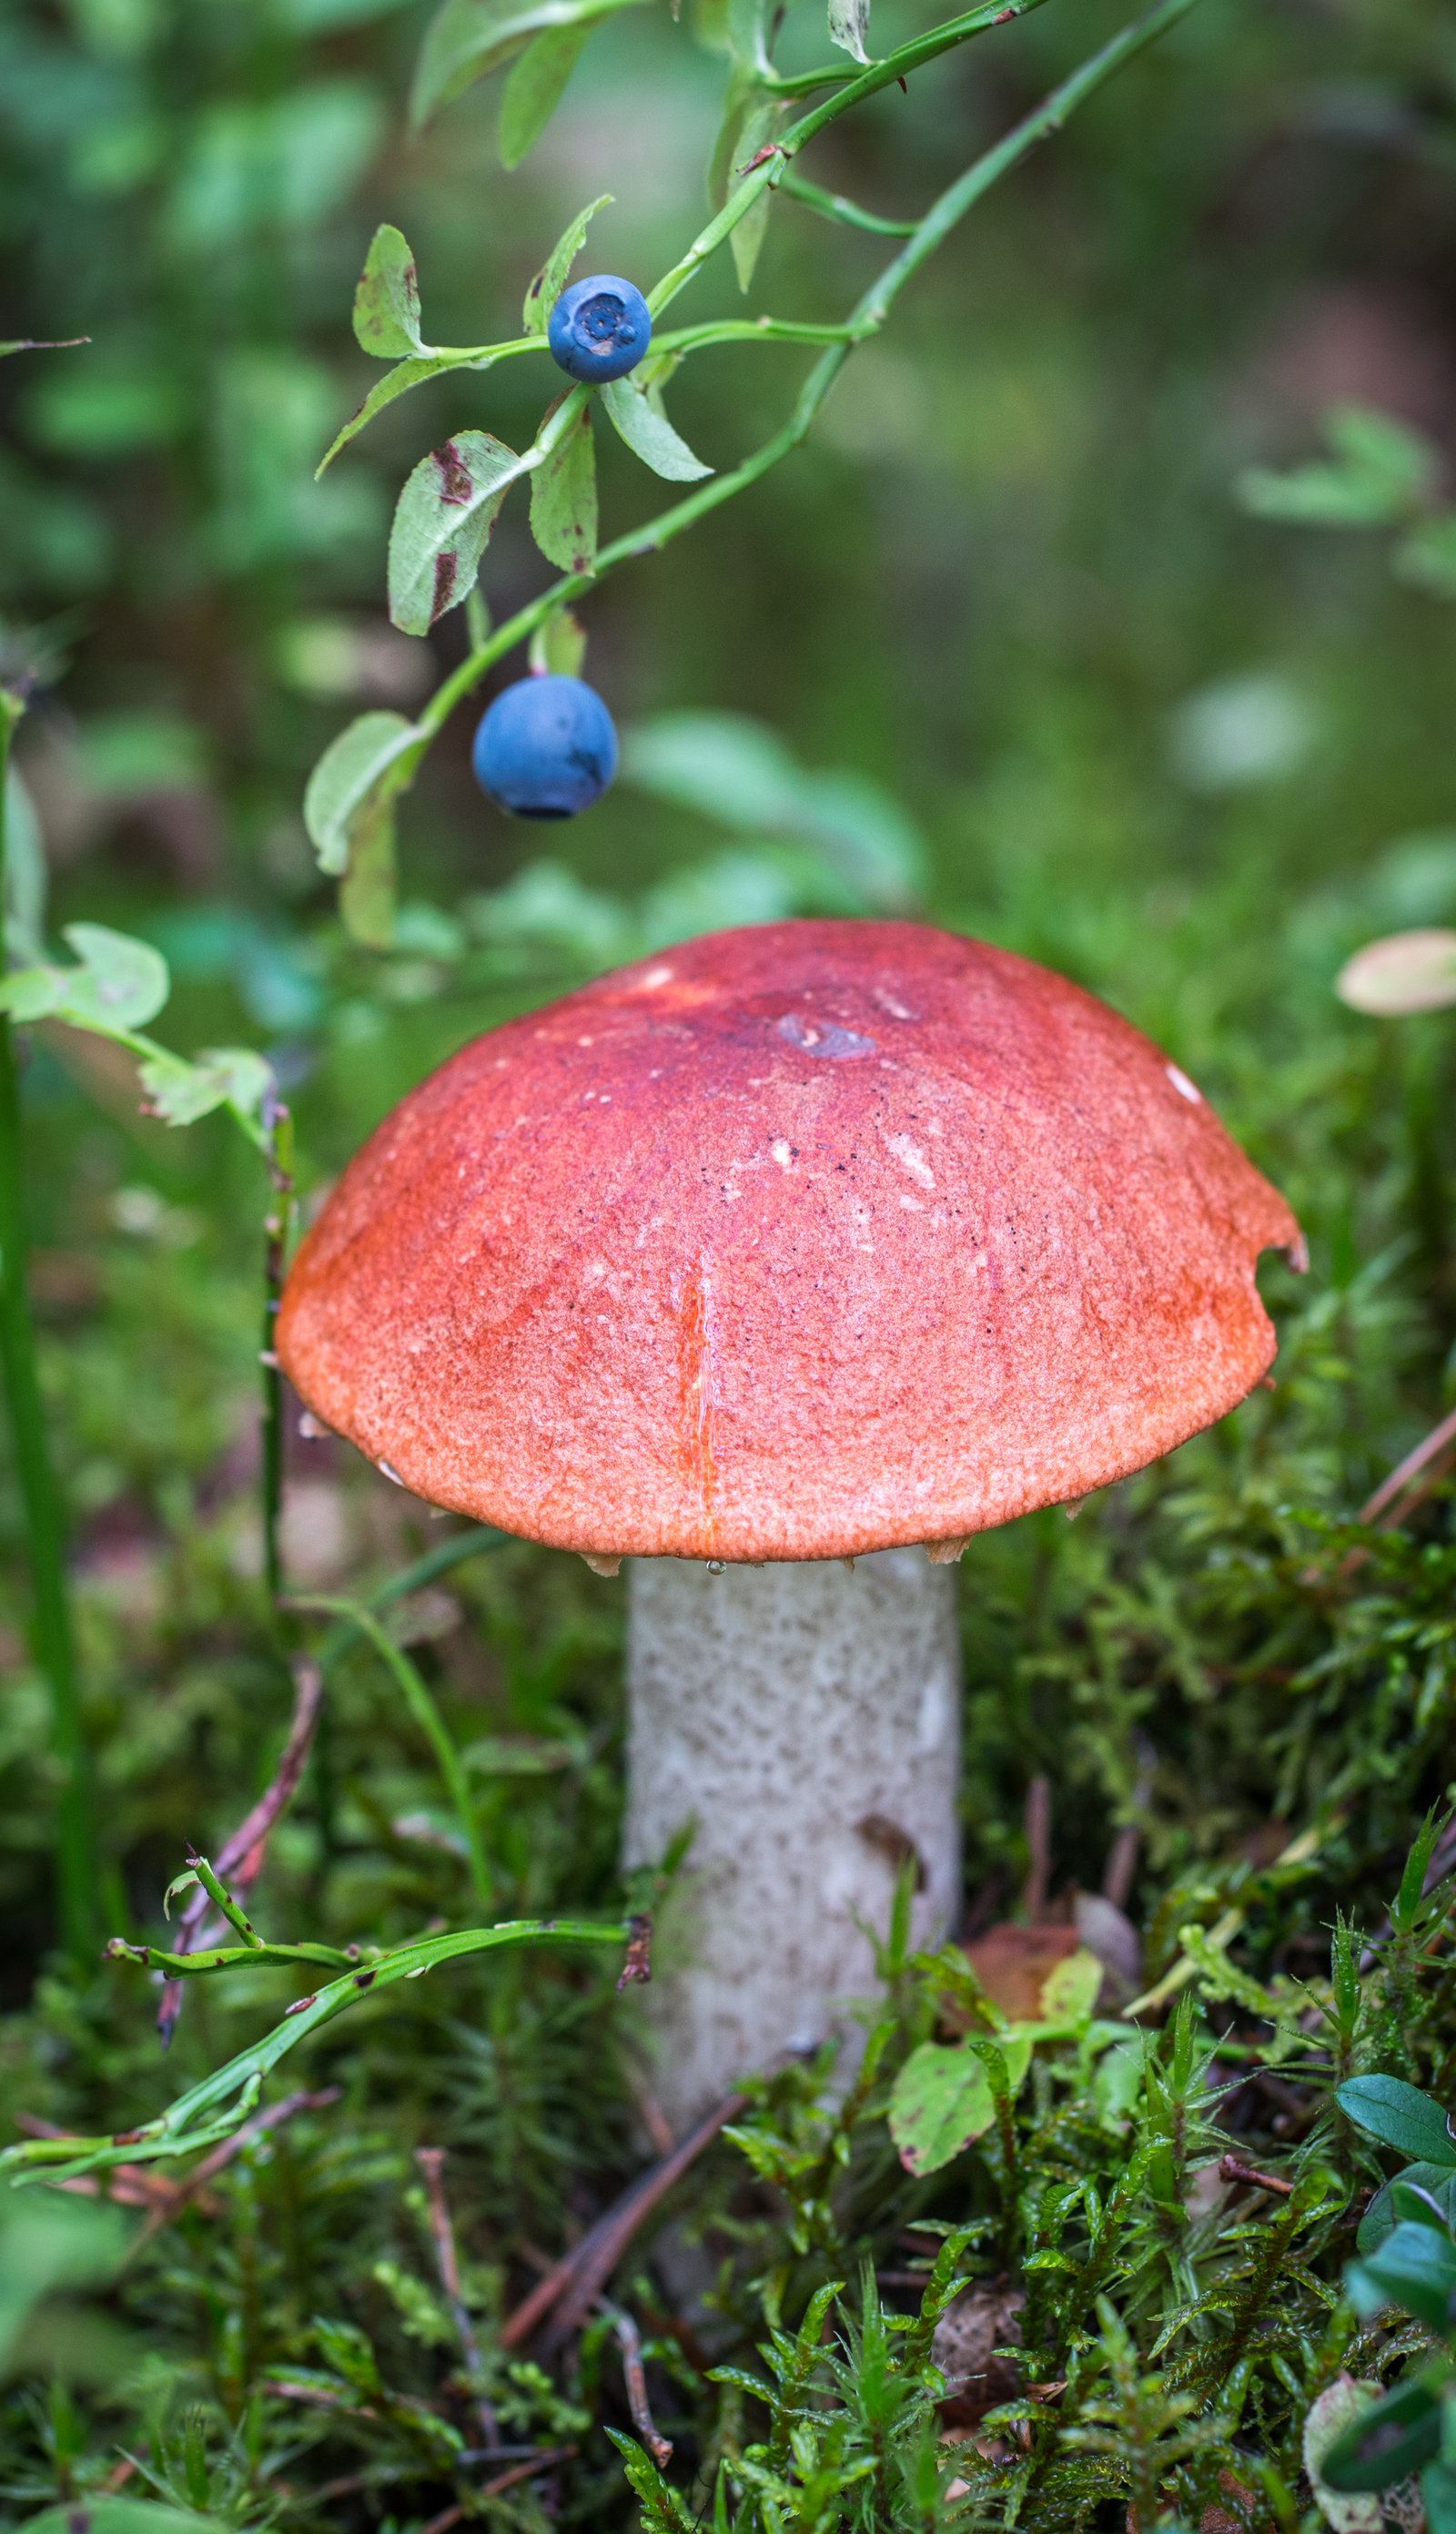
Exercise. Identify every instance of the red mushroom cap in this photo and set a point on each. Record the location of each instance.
(789, 1243)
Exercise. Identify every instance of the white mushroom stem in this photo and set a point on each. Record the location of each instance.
(807, 1717)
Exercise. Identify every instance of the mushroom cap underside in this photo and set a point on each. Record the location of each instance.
(796, 1241)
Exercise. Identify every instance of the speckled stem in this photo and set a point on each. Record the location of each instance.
(808, 1716)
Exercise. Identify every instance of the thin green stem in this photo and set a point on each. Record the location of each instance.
(748, 330)
(44, 1522)
(839, 206)
(452, 1552)
(804, 83)
(1038, 126)
(224, 1901)
(256, 1955)
(427, 1717)
(867, 82)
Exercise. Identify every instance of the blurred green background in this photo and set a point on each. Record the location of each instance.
(1072, 698)
(1070, 695)
(1005, 595)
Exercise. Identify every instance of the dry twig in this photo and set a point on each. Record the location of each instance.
(1231, 2170)
(658, 2447)
(450, 2516)
(573, 2285)
(431, 2162)
(638, 1962)
(1411, 1479)
(241, 1856)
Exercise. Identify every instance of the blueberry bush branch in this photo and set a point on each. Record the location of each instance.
(216, 2108)
(351, 795)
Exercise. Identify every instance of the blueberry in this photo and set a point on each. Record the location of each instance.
(545, 749)
(599, 328)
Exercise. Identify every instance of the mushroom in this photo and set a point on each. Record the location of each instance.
(779, 1264)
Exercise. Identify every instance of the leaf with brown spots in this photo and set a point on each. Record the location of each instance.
(564, 500)
(387, 302)
(442, 527)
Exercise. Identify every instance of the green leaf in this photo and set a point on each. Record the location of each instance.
(121, 2516)
(366, 765)
(1414, 2205)
(1393, 2439)
(557, 647)
(1406, 1909)
(1439, 2180)
(1382, 472)
(942, 2100)
(535, 88)
(1413, 2267)
(121, 984)
(1341, 2406)
(349, 2352)
(399, 382)
(33, 993)
(725, 152)
(26, 875)
(468, 39)
(186, 1882)
(387, 302)
(1439, 2493)
(1426, 558)
(50, 2245)
(564, 500)
(849, 23)
(550, 281)
(1390, 2110)
(1069, 1989)
(366, 893)
(651, 435)
(1365, 438)
(179, 1093)
(764, 125)
(442, 527)
(747, 36)
(1317, 496)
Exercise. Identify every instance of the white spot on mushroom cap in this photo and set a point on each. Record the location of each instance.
(910, 1157)
(660, 976)
(783, 1152)
(1180, 1083)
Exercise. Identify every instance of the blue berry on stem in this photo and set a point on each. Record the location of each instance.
(545, 749)
(599, 328)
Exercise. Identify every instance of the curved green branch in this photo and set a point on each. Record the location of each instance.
(865, 320)
(426, 1716)
(213, 2110)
